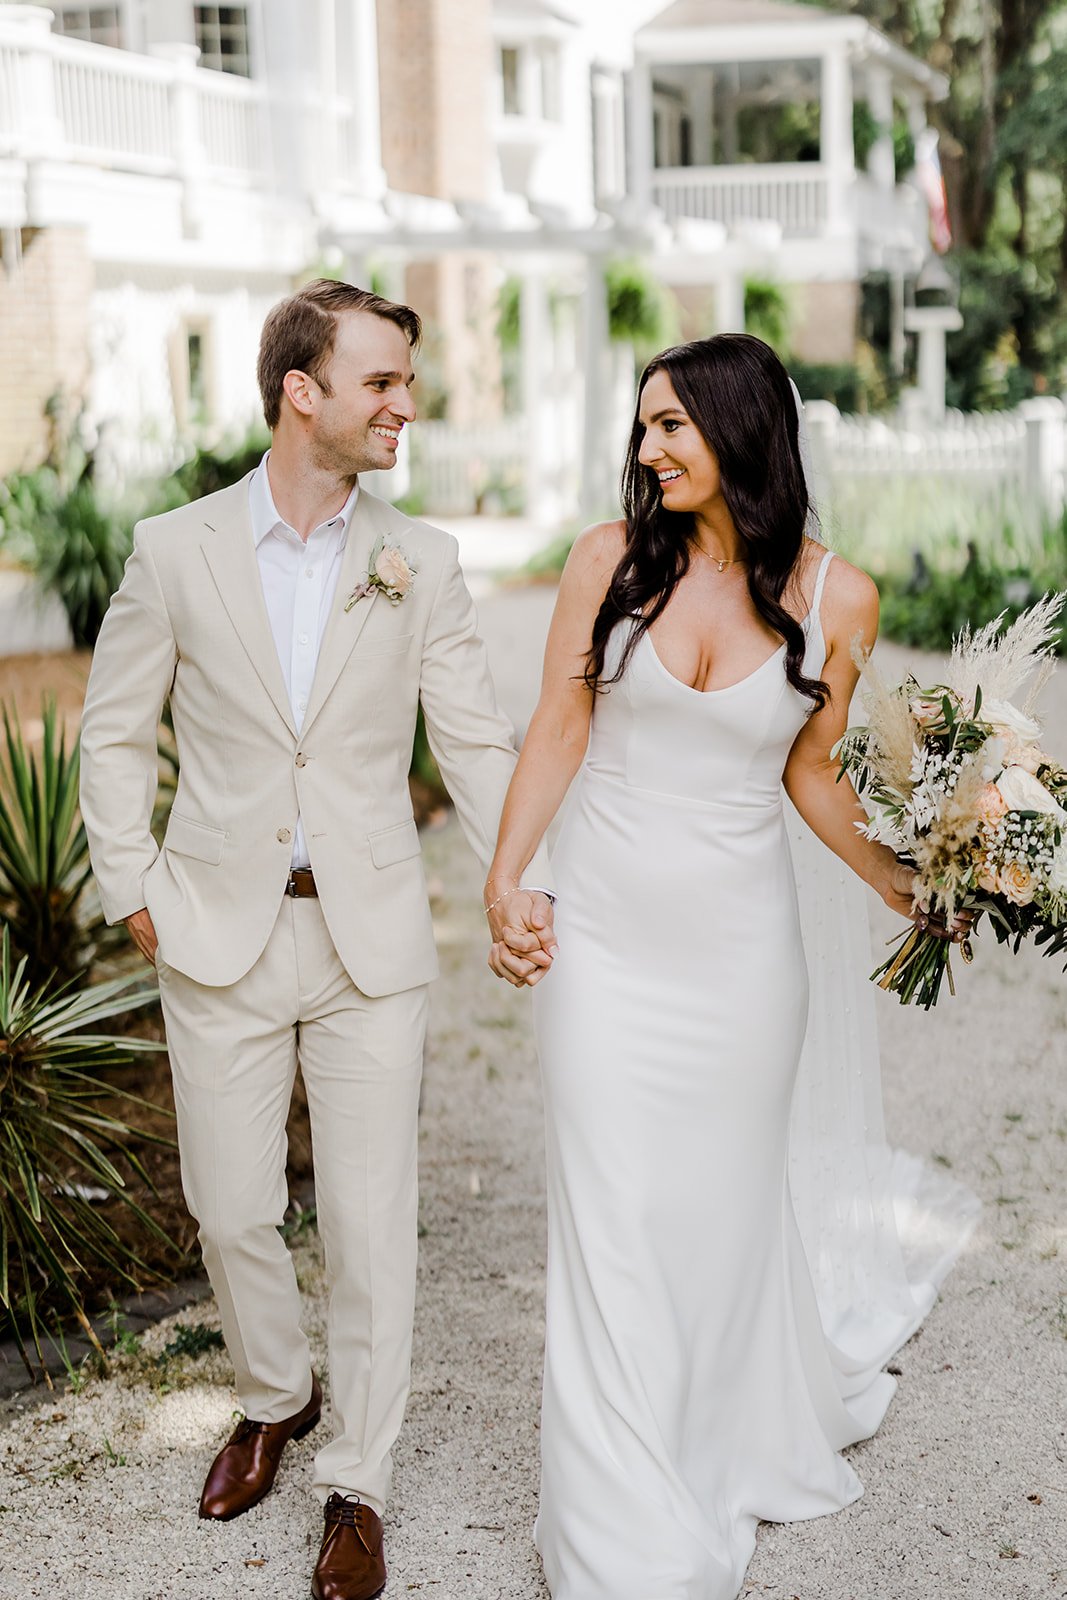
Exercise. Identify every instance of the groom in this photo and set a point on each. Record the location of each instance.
(297, 622)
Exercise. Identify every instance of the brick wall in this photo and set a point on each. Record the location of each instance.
(824, 321)
(435, 59)
(44, 336)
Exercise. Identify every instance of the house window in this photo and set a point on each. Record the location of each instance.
(96, 24)
(194, 348)
(223, 38)
(191, 374)
(509, 76)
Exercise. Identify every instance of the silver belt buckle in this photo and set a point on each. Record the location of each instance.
(290, 887)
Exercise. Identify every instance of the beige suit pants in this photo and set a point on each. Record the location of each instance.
(234, 1053)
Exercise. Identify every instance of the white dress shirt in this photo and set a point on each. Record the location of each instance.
(299, 582)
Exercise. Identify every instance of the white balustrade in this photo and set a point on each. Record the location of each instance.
(111, 108)
(795, 196)
(125, 112)
(453, 468)
(231, 115)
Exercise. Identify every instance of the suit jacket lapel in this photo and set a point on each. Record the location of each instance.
(344, 627)
(230, 552)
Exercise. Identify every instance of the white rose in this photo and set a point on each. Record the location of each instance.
(1022, 792)
(1006, 718)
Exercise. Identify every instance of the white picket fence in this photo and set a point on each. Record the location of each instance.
(1011, 459)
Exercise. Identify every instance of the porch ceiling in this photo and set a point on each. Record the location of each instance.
(733, 13)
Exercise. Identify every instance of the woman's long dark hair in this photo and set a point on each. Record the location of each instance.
(736, 391)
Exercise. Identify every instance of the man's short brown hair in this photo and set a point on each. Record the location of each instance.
(299, 334)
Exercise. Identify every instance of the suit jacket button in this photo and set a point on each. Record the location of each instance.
(301, 759)
(284, 835)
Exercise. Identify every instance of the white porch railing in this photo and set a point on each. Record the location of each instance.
(454, 470)
(64, 100)
(795, 195)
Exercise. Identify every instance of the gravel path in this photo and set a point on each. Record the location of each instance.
(966, 1483)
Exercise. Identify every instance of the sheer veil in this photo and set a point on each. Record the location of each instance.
(880, 1227)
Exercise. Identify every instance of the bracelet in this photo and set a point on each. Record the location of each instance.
(493, 905)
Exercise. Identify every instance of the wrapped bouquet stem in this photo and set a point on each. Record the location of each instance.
(955, 782)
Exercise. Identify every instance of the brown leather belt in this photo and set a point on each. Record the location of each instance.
(301, 884)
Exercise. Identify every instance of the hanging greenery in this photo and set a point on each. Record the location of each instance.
(768, 313)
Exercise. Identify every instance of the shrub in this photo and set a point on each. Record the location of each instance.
(836, 381)
(931, 607)
(74, 545)
(60, 1150)
(44, 854)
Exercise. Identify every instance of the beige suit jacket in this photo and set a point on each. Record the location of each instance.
(189, 620)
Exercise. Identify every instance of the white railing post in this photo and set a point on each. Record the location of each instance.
(40, 129)
(1045, 418)
(187, 145)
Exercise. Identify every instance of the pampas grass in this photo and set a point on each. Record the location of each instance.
(1001, 663)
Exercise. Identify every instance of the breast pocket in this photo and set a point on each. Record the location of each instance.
(184, 837)
(392, 645)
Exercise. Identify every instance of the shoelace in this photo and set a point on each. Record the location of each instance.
(246, 1427)
(344, 1510)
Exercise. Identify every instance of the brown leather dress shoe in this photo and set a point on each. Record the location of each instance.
(244, 1470)
(351, 1564)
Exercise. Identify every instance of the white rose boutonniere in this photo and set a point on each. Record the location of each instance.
(390, 571)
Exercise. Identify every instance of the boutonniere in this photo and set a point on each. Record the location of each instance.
(390, 571)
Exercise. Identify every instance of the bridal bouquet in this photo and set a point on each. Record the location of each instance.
(954, 781)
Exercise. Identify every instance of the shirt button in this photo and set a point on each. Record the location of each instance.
(284, 835)
(303, 638)
(309, 572)
(301, 759)
(302, 705)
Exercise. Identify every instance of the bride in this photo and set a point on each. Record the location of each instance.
(700, 659)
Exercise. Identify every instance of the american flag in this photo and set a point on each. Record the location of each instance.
(932, 185)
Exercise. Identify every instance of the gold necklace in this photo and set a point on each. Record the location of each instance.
(724, 562)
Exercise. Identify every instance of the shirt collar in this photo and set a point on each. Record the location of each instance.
(266, 516)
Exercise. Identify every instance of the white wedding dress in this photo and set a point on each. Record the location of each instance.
(702, 1367)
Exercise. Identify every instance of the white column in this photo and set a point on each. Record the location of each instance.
(640, 127)
(730, 303)
(836, 150)
(700, 86)
(880, 163)
(535, 346)
(364, 95)
(597, 495)
(916, 111)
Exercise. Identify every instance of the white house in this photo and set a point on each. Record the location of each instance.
(168, 170)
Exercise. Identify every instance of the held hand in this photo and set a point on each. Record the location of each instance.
(143, 934)
(899, 895)
(524, 941)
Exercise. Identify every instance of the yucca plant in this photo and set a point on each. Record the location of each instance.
(59, 1150)
(44, 854)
